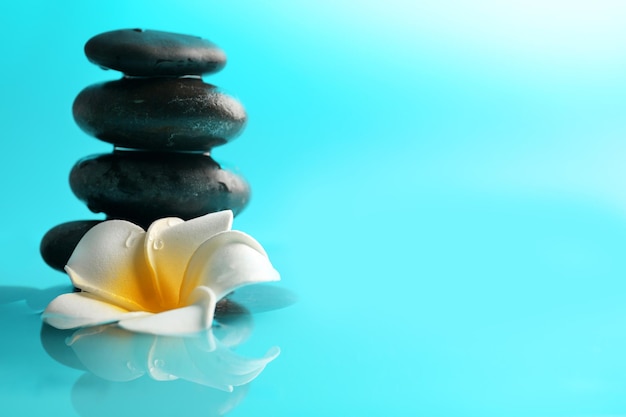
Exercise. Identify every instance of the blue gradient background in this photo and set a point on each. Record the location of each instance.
(441, 183)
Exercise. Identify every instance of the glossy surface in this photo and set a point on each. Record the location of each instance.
(441, 185)
(141, 52)
(173, 114)
(145, 186)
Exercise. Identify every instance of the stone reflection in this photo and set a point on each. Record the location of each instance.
(126, 370)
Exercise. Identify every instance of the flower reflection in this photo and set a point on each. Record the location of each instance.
(125, 366)
(206, 358)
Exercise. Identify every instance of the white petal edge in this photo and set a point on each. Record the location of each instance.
(80, 309)
(227, 261)
(185, 320)
(152, 244)
(170, 244)
(180, 321)
(109, 261)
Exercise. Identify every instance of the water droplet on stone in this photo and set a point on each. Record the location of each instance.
(158, 244)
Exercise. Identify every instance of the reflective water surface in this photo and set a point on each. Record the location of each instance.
(123, 373)
(527, 319)
(440, 185)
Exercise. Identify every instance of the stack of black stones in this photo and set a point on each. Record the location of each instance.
(163, 120)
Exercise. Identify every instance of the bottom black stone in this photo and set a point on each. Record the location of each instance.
(142, 186)
(58, 244)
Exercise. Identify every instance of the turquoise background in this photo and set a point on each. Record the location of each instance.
(440, 183)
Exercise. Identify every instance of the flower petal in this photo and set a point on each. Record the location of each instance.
(79, 309)
(185, 320)
(152, 244)
(170, 243)
(226, 262)
(109, 262)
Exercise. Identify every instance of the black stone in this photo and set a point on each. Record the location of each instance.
(151, 53)
(58, 244)
(144, 186)
(183, 114)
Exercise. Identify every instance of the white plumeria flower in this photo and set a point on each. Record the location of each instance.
(166, 280)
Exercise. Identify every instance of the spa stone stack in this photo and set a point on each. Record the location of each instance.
(162, 120)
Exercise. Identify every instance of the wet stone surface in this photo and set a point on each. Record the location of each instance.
(152, 53)
(144, 186)
(182, 114)
(162, 120)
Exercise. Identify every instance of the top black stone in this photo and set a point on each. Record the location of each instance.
(146, 53)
